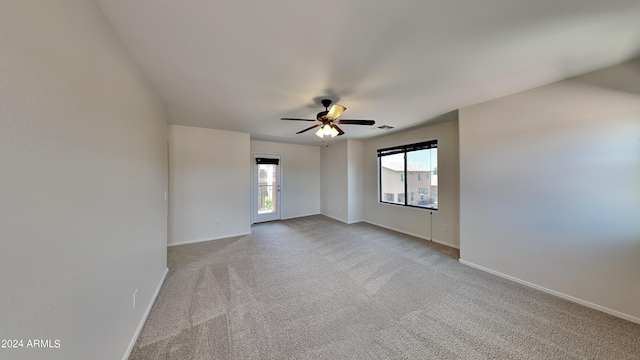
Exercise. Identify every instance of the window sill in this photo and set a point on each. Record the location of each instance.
(408, 206)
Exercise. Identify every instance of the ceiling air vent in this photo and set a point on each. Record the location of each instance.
(385, 127)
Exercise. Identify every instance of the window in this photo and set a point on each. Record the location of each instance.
(395, 163)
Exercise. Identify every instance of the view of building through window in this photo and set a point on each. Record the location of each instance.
(418, 178)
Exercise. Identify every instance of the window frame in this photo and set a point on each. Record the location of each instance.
(403, 149)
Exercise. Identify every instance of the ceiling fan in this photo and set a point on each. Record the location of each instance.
(328, 121)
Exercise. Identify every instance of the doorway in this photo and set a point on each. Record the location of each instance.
(266, 187)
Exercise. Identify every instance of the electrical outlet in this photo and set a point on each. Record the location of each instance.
(339, 209)
(166, 196)
(444, 227)
(135, 298)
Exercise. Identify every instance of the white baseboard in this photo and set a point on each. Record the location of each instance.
(444, 243)
(556, 293)
(299, 216)
(289, 217)
(412, 234)
(207, 239)
(144, 317)
(334, 218)
(342, 221)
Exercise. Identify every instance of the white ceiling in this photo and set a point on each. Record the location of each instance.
(242, 65)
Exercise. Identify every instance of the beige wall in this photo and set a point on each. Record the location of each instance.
(341, 172)
(354, 180)
(209, 184)
(533, 169)
(300, 166)
(334, 183)
(411, 220)
(83, 174)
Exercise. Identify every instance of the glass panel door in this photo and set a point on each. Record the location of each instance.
(267, 186)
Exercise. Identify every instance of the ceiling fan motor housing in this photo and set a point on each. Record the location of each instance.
(321, 115)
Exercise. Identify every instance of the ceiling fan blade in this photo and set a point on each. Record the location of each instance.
(340, 132)
(307, 129)
(356, 122)
(335, 111)
(296, 119)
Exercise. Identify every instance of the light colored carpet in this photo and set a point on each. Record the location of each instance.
(314, 288)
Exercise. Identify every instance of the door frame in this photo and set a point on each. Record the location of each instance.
(254, 185)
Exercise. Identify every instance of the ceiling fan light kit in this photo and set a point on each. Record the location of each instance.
(327, 130)
(328, 121)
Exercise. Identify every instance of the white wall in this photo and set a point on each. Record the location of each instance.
(354, 181)
(300, 165)
(411, 220)
(82, 181)
(209, 180)
(550, 187)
